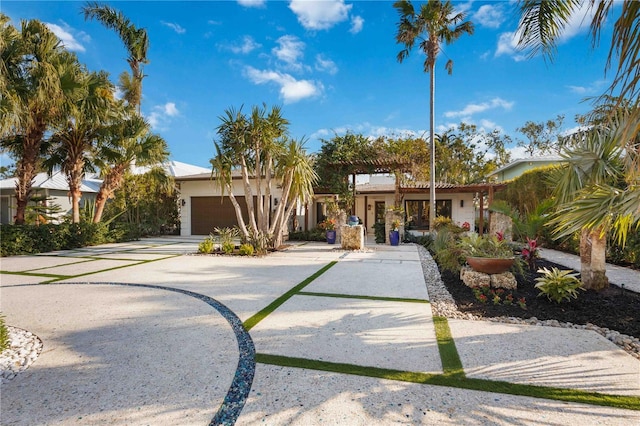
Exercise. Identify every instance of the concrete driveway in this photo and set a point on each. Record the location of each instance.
(148, 333)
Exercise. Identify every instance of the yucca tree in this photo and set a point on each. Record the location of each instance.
(127, 140)
(594, 159)
(541, 25)
(136, 42)
(294, 167)
(72, 144)
(257, 146)
(434, 24)
(38, 75)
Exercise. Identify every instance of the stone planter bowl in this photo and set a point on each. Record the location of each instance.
(490, 265)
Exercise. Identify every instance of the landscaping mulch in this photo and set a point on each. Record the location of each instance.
(613, 308)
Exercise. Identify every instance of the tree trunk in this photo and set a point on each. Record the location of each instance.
(598, 279)
(248, 194)
(585, 256)
(112, 181)
(26, 169)
(101, 200)
(432, 144)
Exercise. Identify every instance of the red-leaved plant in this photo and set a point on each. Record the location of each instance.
(530, 253)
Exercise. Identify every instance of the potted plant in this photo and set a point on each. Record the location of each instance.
(487, 254)
(394, 234)
(329, 226)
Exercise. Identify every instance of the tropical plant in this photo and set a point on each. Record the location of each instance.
(135, 41)
(530, 253)
(207, 246)
(558, 285)
(246, 249)
(489, 246)
(74, 138)
(259, 147)
(541, 26)
(126, 141)
(596, 159)
(226, 235)
(327, 224)
(37, 77)
(434, 24)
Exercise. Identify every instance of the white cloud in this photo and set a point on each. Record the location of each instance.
(320, 15)
(161, 115)
(64, 33)
(291, 90)
(175, 27)
(579, 21)
(326, 65)
(252, 3)
(290, 49)
(357, 22)
(213, 22)
(368, 130)
(489, 15)
(247, 45)
(593, 88)
(472, 108)
(508, 45)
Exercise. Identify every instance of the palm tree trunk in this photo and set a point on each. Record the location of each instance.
(585, 256)
(432, 125)
(598, 279)
(101, 201)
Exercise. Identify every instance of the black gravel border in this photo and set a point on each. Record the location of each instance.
(238, 392)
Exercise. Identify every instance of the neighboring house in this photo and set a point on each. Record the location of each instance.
(518, 167)
(54, 188)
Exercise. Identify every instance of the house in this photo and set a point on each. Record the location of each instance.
(518, 167)
(205, 207)
(375, 197)
(54, 189)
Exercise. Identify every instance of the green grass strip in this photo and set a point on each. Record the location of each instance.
(457, 381)
(355, 296)
(254, 320)
(35, 274)
(451, 363)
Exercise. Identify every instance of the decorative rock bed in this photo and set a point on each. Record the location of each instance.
(443, 304)
(24, 348)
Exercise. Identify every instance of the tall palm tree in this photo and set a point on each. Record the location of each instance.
(38, 74)
(127, 139)
(541, 25)
(434, 24)
(73, 141)
(136, 42)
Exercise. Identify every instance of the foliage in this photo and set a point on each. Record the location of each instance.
(149, 201)
(338, 158)
(207, 246)
(227, 248)
(226, 235)
(441, 222)
(486, 294)
(258, 146)
(474, 245)
(526, 192)
(315, 234)
(327, 225)
(448, 251)
(41, 210)
(379, 232)
(542, 137)
(425, 241)
(530, 224)
(4, 335)
(558, 285)
(395, 224)
(530, 253)
(30, 239)
(246, 249)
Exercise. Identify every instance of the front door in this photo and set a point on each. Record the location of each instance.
(380, 211)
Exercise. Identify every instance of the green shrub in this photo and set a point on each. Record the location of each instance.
(379, 232)
(558, 285)
(4, 335)
(207, 246)
(315, 234)
(227, 248)
(447, 250)
(246, 250)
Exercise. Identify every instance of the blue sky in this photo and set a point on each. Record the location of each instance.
(330, 64)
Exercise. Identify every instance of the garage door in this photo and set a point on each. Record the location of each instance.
(210, 212)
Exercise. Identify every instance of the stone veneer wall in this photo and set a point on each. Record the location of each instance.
(352, 237)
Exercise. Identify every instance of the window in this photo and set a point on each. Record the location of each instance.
(380, 211)
(417, 212)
